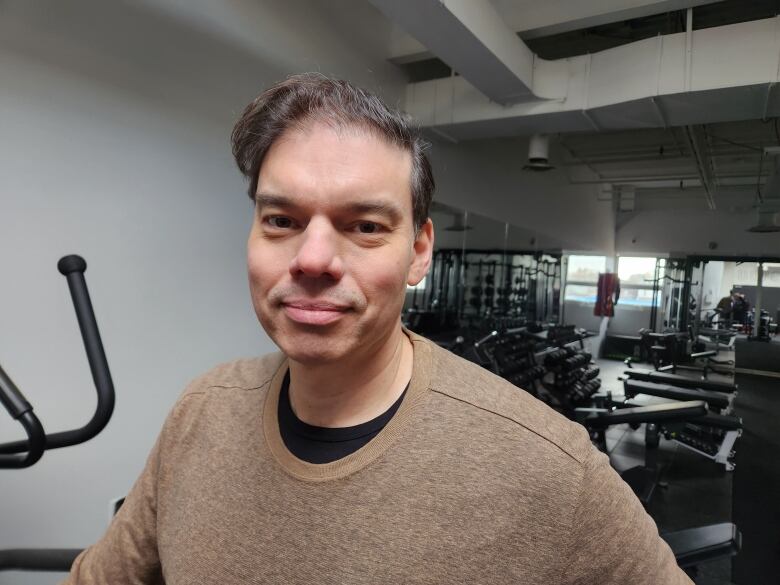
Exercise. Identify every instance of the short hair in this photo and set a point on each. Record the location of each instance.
(308, 97)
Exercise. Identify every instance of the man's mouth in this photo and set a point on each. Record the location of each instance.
(314, 312)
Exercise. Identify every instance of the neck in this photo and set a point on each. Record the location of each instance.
(353, 391)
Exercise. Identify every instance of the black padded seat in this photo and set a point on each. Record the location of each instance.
(681, 381)
(704, 543)
(715, 400)
(693, 411)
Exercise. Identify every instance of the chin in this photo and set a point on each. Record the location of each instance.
(310, 352)
(308, 345)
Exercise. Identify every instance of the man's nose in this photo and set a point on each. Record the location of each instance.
(318, 254)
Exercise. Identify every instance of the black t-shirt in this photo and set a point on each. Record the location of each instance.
(320, 444)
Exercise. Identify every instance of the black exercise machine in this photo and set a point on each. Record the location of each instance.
(718, 402)
(691, 546)
(673, 350)
(659, 419)
(27, 452)
(694, 546)
(678, 380)
(713, 436)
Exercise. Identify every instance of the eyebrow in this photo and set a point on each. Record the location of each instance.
(385, 208)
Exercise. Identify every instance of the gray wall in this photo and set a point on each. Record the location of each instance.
(686, 225)
(486, 177)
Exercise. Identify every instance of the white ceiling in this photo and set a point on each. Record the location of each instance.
(654, 157)
(535, 18)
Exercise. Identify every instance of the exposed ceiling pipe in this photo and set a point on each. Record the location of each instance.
(694, 135)
(652, 178)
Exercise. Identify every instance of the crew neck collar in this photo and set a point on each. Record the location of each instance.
(416, 393)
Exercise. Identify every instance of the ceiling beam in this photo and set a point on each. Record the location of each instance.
(532, 20)
(541, 19)
(472, 38)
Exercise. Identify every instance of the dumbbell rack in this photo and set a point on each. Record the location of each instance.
(574, 378)
(562, 376)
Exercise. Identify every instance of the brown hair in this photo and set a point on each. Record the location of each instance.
(303, 98)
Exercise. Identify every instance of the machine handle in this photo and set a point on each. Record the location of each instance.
(35, 444)
(657, 413)
(72, 267)
(38, 559)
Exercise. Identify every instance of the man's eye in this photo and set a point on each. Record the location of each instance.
(368, 227)
(280, 222)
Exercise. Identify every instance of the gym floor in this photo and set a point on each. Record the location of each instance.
(693, 491)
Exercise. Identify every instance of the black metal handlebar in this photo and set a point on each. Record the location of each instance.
(26, 452)
(38, 559)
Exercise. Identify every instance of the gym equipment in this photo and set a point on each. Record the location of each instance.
(659, 419)
(471, 292)
(694, 546)
(712, 436)
(718, 402)
(678, 380)
(673, 350)
(27, 452)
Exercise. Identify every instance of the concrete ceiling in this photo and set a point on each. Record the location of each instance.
(532, 19)
(679, 111)
(660, 163)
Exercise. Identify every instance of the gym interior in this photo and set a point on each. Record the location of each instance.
(606, 220)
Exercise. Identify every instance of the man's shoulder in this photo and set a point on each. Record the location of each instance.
(243, 374)
(477, 388)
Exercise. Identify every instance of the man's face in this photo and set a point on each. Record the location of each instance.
(332, 247)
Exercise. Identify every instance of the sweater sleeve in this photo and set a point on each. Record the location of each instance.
(127, 553)
(613, 540)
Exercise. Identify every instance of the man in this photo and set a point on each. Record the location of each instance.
(726, 306)
(362, 453)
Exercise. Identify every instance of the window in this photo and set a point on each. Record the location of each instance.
(746, 274)
(585, 269)
(636, 281)
(582, 276)
(636, 270)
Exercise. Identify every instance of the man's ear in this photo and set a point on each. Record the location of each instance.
(423, 251)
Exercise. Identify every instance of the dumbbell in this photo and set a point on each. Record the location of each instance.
(528, 375)
(590, 373)
(536, 372)
(568, 378)
(554, 357)
(576, 361)
(580, 391)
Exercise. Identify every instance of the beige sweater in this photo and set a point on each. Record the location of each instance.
(472, 481)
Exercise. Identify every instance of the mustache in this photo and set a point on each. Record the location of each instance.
(343, 298)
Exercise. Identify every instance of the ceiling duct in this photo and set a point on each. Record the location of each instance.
(769, 208)
(539, 153)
